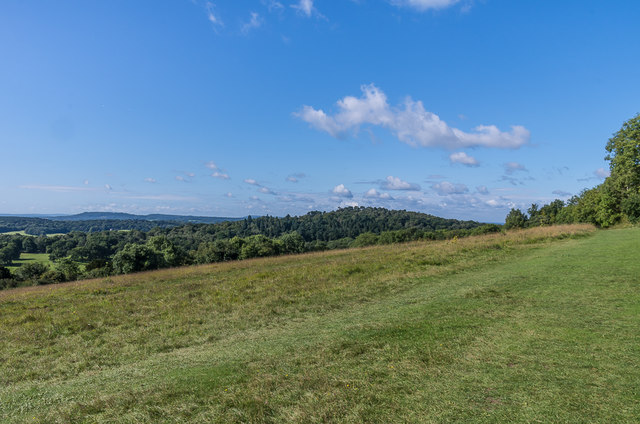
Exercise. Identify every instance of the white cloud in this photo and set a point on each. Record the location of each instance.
(395, 183)
(108, 187)
(251, 181)
(211, 165)
(374, 194)
(181, 178)
(85, 182)
(342, 191)
(229, 194)
(422, 5)
(255, 21)
(410, 123)
(446, 188)
(463, 158)
(150, 180)
(305, 7)
(482, 190)
(602, 173)
(221, 175)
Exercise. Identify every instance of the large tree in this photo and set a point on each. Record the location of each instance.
(624, 158)
(620, 193)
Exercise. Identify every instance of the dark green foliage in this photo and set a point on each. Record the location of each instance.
(135, 258)
(515, 219)
(5, 273)
(631, 207)
(624, 156)
(291, 243)
(365, 239)
(68, 269)
(258, 246)
(31, 271)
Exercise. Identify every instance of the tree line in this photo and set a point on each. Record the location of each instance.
(616, 200)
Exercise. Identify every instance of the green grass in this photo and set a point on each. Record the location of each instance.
(12, 233)
(26, 258)
(533, 326)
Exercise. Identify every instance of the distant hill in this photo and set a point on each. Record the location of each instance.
(100, 221)
(120, 216)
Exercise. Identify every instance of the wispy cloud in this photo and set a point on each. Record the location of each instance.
(411, 123)
(58, 188)
(220, 175)
(305, 7)
(395, 183)
(294, 178)
(251, 181)
(446, 188)
(423, 5)
(602, 173)
(266, 190)
(212, 15)
(511, 168)
(255, 21)
(150, 180)
(273, 5)
(598, 174)
(162, 197)
(561, 193)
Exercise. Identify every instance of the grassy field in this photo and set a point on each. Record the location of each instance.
(31, 257)
(535, 326)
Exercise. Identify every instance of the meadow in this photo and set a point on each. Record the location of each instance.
(26, 258)
(538, 325)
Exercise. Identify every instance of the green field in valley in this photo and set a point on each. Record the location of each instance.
(541, 325)
(26, 258)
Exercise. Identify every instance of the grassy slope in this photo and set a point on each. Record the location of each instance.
(490, 329)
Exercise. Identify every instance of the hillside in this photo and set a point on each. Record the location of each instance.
(541, 325)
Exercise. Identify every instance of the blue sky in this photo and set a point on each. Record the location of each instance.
(461, 109)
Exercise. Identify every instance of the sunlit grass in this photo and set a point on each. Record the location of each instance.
(502, 327)
(26, 258)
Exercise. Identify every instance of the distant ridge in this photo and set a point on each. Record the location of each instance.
(121, 216)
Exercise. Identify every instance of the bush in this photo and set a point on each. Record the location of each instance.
(31, 271)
